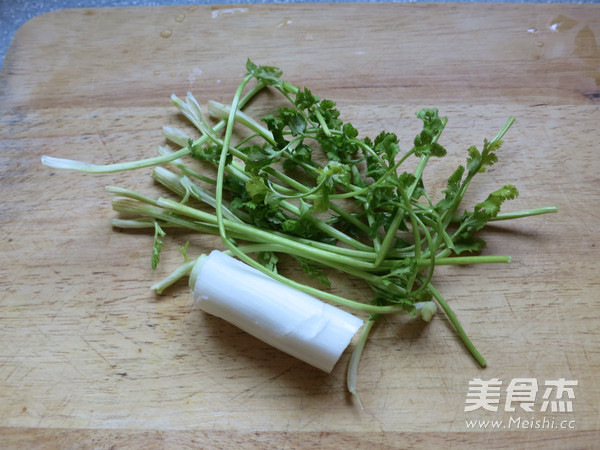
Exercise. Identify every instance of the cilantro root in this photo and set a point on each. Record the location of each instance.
(301, 182)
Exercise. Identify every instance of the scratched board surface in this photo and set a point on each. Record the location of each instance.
(90, 355)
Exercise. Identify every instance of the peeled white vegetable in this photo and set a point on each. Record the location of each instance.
(290, 320)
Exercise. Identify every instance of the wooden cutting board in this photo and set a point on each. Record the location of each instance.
(90, 357)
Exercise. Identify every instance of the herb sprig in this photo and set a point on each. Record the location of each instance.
(301, 182)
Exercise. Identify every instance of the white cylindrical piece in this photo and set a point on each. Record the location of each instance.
(286, 318)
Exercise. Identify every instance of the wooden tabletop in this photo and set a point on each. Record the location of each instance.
(91, 357)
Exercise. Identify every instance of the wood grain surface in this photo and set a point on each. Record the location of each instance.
(91, 358)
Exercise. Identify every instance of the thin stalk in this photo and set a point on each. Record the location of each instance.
(221, 111)
(322, 122)
(69, 164)
(504, 129)
(399, 215)
(131, 194)
(256, 234)
(466, 260)
(352, 373)
(131, 206)
(80, 166)
(424, 282)
(460, 330)
(390, 235)
(526, 213)
(185, 170)
(350, 218)
(176, 275)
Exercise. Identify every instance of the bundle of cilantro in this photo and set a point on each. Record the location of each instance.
(303, 183)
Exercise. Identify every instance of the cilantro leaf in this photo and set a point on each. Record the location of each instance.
(491, 206)
(259, 157)
(426, 141)
(300, 154)
(209, 153)
(157, 245)
(452, 190)
(276, 126)
(486, 210)
(270, 75)
(293, 119)
(269, 260)
(386, 146)
(468, 244)
(257, 189)
(305, 99)
(478, 162)
(337, 147)
(313, 271)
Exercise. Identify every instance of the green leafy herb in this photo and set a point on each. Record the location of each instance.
(304, 183)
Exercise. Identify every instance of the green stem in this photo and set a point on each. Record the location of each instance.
(209, 221)
(504, 129)
(176, 275)
(461, 332)
(466, 260)
(312, 252)
(390, 235)
(69, 164)
(432, 263)
(221, 111)
(185, 170)
(397, 220)
(322, 122)
(352, 373)
(526, 213)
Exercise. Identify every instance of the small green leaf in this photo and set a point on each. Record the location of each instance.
(314, 272)
(268, 74)
(386, 146)
(269, 260)
(157, 245)
(491, 206)
(209, 153)
(292, 119)
(259, 157)
(305, 99)
(184, 251)
(275, 125)
(426, 141)
(349, 131)
(452, 190)
(321, 203)
(468, 244)
(257, 189)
